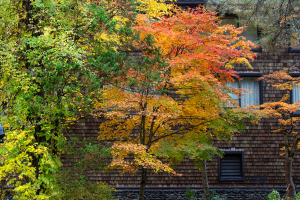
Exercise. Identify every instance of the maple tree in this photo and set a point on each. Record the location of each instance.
(287, 122)
(49, 79)
(176, 92)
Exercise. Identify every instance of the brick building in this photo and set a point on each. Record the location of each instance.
(252, 159)
(257, 149)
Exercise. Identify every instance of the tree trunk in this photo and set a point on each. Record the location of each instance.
(204, 180)
(143, 184)
(290, 191)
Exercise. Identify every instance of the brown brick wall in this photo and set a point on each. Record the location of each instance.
(263, 165)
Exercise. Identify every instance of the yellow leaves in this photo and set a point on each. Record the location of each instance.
(120, 151)
(281, 79)
(154, 9)
(284, 98)
(103, 36)
(238, 61)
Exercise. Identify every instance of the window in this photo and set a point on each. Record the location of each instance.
(184, 4)
(251, 33)
(294, 49)
(295, 94)
(2, 134)
(249, 82)
(295, 42)
(231, 166)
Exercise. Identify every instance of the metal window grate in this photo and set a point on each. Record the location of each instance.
(231, 166)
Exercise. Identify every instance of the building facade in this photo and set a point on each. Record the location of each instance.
(252, 159)
(257, 150)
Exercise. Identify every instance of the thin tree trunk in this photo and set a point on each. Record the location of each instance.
(204, 180)
(143, 184)
(290, 191)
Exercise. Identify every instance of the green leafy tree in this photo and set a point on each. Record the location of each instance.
(48, 80)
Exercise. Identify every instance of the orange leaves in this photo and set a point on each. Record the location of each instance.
(281, 110)
(282, 80)
(138, 109)
(192, 41)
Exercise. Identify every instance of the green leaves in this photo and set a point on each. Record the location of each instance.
(52, 53)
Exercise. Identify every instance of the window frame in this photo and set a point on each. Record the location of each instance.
(297, 113)
(254, 74)
(2, 134)
(239, 153)
(191, 3)
(294, 50)
(258, 31)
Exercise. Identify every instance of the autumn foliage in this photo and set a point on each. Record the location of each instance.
(283, 111)
(176, 92)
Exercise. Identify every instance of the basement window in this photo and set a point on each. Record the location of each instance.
(231, 166)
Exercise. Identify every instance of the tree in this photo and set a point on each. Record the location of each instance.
(199, 149)
(48, 80)
(187, 55)
(278, 20)
(287, 122)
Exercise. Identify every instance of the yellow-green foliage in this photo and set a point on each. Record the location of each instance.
(73, 186)
(18, 147)
(49, 57)
(153, 9)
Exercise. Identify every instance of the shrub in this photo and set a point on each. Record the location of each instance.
(72, 182)
(79, 188)
(190, 194)
(274, 195)
(214, 196)
(298, 196)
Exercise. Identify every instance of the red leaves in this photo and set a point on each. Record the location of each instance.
(193, 38)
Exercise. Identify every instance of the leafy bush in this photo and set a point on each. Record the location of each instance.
(214, 196)
(274, 195)
(77, 189)
(72, 182)
(298, 196)
(190, 194)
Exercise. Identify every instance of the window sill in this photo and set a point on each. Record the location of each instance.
(190, 2)
(296, 114)
(294, 49)
(256, 50)
(231, 179)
